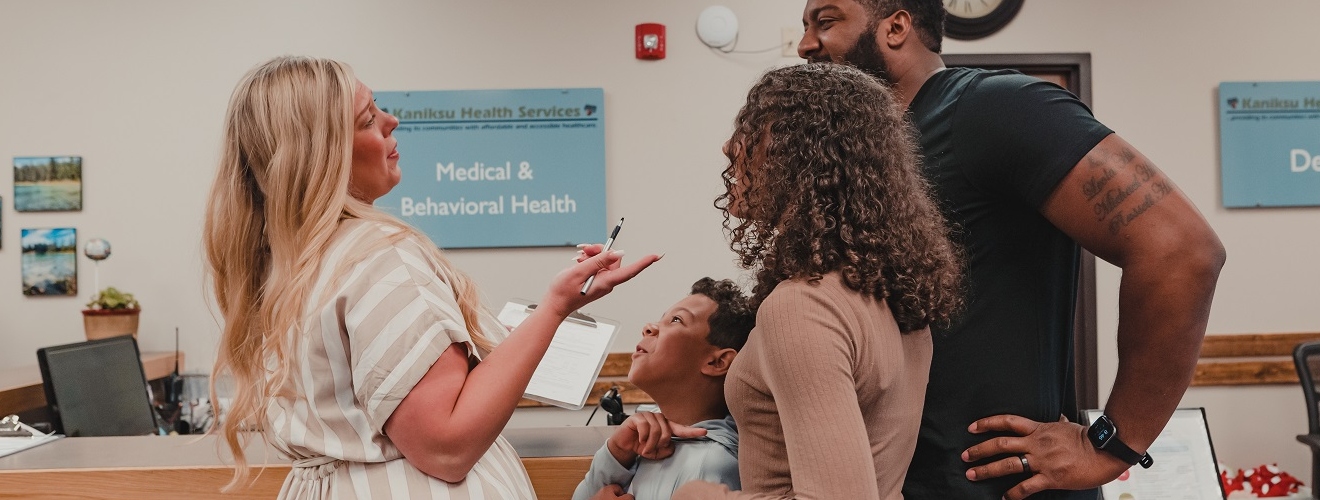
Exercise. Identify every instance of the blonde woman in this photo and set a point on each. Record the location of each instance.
(358, 350)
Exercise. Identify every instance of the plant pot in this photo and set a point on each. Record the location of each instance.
(102, 323)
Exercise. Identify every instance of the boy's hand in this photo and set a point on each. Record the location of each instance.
(611, 492)
(648, 435)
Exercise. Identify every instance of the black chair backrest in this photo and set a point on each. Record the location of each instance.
(97, 388)
(1307, 359)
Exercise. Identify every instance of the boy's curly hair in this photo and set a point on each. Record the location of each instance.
(824, 165)
(734, 314)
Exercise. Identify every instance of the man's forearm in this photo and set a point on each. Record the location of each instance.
(1164, 307)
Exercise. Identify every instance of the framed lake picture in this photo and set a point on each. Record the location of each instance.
(50, 261)
(48, 183)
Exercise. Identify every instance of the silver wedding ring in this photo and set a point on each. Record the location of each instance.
(1026, 467)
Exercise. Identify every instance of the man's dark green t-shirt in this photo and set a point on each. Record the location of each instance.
(996, 145)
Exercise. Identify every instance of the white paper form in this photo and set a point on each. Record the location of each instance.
(14, 444)
(1185, 465)
(568, 371)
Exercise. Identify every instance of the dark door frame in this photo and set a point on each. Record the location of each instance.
(1076, 70)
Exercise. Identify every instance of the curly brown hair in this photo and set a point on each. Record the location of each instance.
(824, 174)
(734, 315)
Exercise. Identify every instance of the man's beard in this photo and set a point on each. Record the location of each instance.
(865, 55)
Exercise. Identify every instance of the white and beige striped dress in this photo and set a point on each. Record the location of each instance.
(356, 362)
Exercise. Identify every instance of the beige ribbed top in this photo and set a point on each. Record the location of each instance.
(827, 395)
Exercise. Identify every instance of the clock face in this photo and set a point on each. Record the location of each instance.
(972, 19)
(971, 9)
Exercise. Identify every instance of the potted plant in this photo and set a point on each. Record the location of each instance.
(111, 313)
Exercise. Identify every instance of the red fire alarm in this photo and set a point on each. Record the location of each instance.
(650, 41)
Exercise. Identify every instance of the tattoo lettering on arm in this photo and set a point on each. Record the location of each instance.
(1113, 199)
(1100, 157)
(1099, 160)
(1133, 201)
(1096, 185)
(1158, 191)
(1145, 172)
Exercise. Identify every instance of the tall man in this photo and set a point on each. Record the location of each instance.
(1027, 174)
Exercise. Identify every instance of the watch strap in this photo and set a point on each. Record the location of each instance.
(1103, 435)
(1125, 453)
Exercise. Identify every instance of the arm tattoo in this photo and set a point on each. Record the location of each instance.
(1116, 196)
(1128, 155)
(1145, 172)
(1096, 185)
(1113, 198)
(1159, 190)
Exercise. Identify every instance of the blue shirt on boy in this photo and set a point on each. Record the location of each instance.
(713, 458)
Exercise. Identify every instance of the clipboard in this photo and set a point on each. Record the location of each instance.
(1185, 463)
(568, 371)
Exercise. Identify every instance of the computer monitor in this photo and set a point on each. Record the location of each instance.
(97, 388)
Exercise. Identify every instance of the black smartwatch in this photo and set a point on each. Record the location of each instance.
(1104, 436)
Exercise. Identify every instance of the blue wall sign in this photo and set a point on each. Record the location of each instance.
(500, 168)
(1269, 136)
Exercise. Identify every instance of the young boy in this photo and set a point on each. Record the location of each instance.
(680, 362)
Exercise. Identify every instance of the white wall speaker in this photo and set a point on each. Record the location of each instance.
(717, 26)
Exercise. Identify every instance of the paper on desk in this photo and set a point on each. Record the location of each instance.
(568, 371)
(1185, 467)
(10, 445)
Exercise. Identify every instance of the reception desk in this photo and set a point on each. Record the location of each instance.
(170, 467)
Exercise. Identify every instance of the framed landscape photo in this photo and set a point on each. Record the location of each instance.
(50, 261)
(47, 183)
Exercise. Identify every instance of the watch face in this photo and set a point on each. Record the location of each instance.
(971, 9)
(1101, 432)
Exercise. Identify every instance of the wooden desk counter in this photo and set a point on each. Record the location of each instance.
(20, 386)
(160, 467)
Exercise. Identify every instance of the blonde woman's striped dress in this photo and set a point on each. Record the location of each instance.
(386, 319)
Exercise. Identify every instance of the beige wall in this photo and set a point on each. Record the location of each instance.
(138, 88)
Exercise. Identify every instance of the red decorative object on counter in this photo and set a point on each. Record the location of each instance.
(1231, 483)
(1266, 481)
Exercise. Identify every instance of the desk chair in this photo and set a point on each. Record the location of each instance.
(97, 388)
(1307, 358)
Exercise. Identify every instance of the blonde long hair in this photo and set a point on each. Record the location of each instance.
(279, 195)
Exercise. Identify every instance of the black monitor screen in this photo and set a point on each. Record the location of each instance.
(97, 388)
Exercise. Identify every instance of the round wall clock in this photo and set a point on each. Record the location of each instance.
(972, 19)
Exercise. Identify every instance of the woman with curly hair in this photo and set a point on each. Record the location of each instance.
(825, 203)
